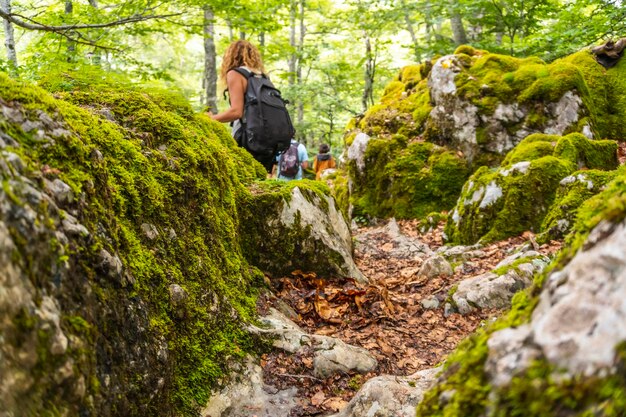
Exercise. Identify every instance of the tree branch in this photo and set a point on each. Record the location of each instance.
(20, 21)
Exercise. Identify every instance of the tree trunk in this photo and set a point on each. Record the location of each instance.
(262, 43)
(209, 80)
(411, 30)
(71, 45)
(456, 21)
(300, 106)
(93, 3)
(293, 11)
(242, 35)
(370, 65)
(9, 38)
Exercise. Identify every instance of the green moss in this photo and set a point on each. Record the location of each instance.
(158, 163)
(524, 192)
(407, 180)
(570, 197)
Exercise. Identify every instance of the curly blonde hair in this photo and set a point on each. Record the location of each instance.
(241, 54)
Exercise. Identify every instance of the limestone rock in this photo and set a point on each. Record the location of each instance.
(356, 151)
(435, 266)
(303, 230)
(579, 319)
(249, 395)
(331, 355)
(492, 290)
(390, 396)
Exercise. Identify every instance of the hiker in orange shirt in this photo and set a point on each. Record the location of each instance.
(323, 160)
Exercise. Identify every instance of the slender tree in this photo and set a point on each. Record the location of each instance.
(210, 66)
(9, 38)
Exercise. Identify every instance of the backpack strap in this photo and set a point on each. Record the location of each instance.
(241, 70)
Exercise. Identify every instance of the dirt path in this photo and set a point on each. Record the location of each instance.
(387, 317)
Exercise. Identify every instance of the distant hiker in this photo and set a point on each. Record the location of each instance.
(291, 162)
(257, 112)
(323, 160)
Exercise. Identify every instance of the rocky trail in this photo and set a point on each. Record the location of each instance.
(407, 319)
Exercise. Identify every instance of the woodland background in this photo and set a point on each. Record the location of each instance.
(331, 59)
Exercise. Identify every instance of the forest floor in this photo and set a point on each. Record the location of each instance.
(386, 317)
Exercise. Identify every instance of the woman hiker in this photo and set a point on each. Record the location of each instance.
(241, 54)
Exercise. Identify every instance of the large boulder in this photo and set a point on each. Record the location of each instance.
(123, 288)
(517, 196)
(295, 225)
(477, 106)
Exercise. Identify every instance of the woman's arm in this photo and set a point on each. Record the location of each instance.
(236, 88)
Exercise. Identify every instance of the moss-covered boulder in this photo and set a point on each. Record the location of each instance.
(295, 225)
(560, 350)
(484, 104)
(479, 106)
(397, 178)
(124, 286)
(497, 203)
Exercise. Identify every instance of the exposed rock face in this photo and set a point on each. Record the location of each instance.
(390, 396)
(579, 321)
(250, 396)
(300, 230)
(356, 151)
(495, 290)
(453, 117)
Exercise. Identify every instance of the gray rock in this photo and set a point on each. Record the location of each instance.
(390, 396)
(112, 266)
(356, 151)
(448, 310)
(435, 266)
(580, 316)
(329, 241)
(249, 396)
(60, 191)
(178, 295)
(331, 355)
(14, 161)
(149, 230)
(489, 291)
(430, 303)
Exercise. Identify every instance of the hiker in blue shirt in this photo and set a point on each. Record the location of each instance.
(291, 162)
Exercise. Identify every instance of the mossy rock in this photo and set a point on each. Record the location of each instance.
(496, 204)
(156, 191)
(300, 229)
(406, 180)
(540, 389)
(573, 191)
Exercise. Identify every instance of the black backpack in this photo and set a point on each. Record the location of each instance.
(266, 125)
(289, 163)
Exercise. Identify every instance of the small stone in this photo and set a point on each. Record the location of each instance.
(435, 266)
(171, 234)
(97, 156)
(178, 295)
(150, 231)
(14, 161)
(430, 303)
(112, 266)
(60, 191)
(448, 310)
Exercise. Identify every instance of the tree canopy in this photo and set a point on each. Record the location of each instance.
(331, 59)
